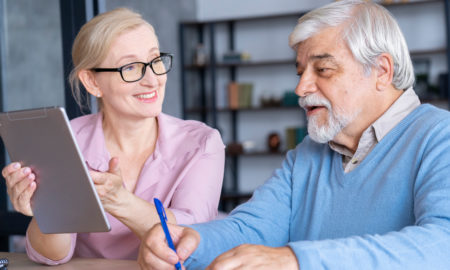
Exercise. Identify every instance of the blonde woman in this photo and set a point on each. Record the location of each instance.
(134, 151)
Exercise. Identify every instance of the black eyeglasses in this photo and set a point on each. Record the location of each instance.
(135, 71)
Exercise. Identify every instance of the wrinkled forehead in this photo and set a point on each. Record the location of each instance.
(323, 45)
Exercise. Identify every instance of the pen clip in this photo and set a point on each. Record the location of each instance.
(160, 208)
(164, 213)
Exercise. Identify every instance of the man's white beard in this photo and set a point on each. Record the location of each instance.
(337, 119)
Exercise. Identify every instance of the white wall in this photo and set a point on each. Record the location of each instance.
(223, 9)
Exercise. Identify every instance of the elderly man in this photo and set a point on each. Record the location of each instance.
(369, 188)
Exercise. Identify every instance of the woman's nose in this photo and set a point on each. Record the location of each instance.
(149, 77)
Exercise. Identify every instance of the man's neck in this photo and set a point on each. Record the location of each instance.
(350, 136)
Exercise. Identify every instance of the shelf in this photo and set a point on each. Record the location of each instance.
(259, 154)
(257, 63)
(227, 196)
(256, 109)
(250, 63)
(200, 110)
(427, 52)
(410, 2)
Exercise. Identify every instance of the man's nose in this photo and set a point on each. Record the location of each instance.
(306, 84)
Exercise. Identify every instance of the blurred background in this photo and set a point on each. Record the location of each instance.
(233, 69)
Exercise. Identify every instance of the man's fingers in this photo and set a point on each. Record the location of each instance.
(188, 242)
(149, 258)
(154, 252)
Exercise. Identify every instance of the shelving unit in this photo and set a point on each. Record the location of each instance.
(202, 93)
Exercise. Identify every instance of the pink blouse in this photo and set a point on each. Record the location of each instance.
(185, 172)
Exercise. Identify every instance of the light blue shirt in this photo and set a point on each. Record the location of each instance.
(390, 212)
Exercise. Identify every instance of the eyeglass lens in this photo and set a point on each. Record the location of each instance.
(135, 71)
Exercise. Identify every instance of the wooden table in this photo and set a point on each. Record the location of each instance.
(20, 261)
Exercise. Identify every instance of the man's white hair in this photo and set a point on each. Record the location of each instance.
(368, 30)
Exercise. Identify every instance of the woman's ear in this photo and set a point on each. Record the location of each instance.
(87, 78)
(385, 71)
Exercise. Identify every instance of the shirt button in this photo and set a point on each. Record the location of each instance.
(354, 161)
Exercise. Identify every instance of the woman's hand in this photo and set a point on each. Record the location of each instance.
(109, 186)
(21, 184)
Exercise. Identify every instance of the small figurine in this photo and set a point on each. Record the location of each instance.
(273, 142)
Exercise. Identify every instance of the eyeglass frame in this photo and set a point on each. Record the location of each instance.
(144, 69)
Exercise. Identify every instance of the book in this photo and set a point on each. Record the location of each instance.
(233, 95)
(245, 95)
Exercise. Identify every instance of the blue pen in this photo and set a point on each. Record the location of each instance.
(163, 218)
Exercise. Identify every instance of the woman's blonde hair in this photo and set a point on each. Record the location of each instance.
(94, 40)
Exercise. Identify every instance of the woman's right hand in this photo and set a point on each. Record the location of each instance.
(21, 184)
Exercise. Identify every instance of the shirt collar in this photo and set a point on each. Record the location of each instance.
(405, 104)
(97, 155)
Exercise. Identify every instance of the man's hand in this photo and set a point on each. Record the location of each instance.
(154, 253)
(256, 257)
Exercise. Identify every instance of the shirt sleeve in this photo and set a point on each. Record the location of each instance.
(196, 199)
(37, 257)
(423, 245)
(250, 222)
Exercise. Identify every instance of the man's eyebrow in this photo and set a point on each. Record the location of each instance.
(321, 56)
(326, 56)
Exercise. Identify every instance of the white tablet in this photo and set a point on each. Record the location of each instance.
(65, 200)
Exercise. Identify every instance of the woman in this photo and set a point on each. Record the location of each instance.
(134, 152)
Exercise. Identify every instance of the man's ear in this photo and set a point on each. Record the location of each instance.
(87, 78)
(385, 71)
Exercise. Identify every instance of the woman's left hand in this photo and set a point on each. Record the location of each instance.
(109, 186)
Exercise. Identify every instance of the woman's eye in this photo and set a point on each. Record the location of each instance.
(129, 68)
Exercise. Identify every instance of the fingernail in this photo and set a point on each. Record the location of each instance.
(181, 252)
(173, 258)
(26, 170)
(16, 165)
